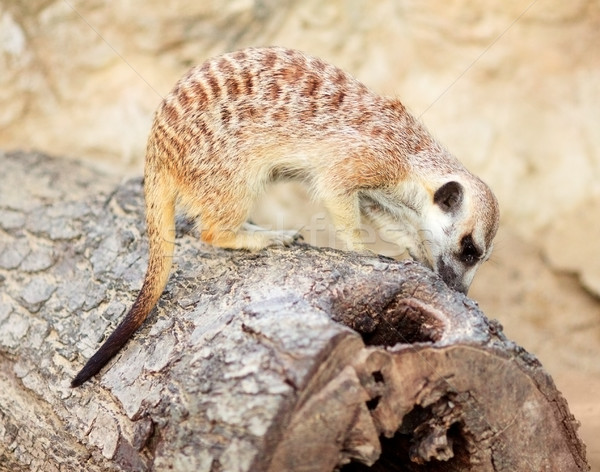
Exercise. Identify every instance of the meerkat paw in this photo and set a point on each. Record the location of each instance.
(352, 241)
(362, 249)
(280, 238)
(253, 238)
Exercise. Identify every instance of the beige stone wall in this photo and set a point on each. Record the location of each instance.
(512, 87)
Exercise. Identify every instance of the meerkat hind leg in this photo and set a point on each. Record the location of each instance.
(250, 236)
(221, 220)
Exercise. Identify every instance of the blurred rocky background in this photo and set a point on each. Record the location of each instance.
(512, 87)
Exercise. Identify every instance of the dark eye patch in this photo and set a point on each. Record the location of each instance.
(469, 253)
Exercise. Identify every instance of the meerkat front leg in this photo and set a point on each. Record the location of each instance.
(392, 230)
(345, 213)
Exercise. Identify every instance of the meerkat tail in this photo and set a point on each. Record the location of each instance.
(160, 218)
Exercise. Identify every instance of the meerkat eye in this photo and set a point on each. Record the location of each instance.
(469, 253)
(449, 196)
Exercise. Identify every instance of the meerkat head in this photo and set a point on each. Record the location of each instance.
(458, 228)
(447, 224)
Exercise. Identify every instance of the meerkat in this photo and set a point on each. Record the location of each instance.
(245, 119)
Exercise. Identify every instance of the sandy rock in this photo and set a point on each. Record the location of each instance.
(572, 244)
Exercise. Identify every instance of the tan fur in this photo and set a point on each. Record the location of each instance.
(242, 120)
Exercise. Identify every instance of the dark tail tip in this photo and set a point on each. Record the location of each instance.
(78, 380)
(115, 341)
(91, 368)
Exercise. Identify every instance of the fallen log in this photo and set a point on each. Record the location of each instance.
(290, 359)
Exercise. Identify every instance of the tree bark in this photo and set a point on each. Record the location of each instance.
(289, 359)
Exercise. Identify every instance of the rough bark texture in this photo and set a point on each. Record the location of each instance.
(291, 359)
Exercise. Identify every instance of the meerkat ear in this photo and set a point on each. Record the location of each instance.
(449, 196)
